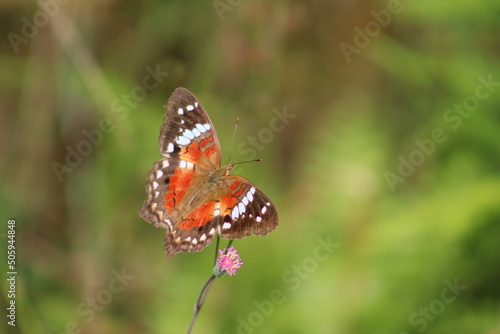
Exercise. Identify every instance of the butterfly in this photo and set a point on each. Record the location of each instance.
(190, 194)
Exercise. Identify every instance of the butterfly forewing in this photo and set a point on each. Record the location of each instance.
(186, 123)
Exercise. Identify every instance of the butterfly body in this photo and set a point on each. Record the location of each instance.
(190, 194)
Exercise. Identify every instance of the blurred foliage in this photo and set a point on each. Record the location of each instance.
(401, 241)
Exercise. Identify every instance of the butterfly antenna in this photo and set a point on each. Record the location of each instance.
(234, 136)
(244, 162)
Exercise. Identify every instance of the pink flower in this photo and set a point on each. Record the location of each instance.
(228, 262)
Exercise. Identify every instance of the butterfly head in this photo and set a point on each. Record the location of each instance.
(217, 175)
(228, 168)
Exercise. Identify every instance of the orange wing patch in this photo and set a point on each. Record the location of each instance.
(235, 185)
(199, 217)
(206, 141)
(208, 211)
(179, 183)
(210, 151)
(226, 204)
(210, 142)
(191, 153)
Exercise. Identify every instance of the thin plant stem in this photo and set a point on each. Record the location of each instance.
(201, 299)
(206, 288)
(216, 249)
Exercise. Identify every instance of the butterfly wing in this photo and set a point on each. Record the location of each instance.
(241, 210)
(247, 210)
(187, 123)
(191, 148)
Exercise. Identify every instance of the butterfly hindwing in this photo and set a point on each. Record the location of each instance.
(190, 240)
(251, 212)
(242, 210)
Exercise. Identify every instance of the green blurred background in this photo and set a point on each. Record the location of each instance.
(390, 152)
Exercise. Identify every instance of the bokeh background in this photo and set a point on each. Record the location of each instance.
(388, 155)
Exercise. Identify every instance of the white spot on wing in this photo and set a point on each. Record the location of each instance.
(235, 213)
(258, 219)
(245, 200)
(217, 209)
(189, 107)
(201, 128)
(263, 210)
(180, 111)
(188, 134)
(207, 126)
(182, 164)
(169, 223)
(268, 203)
(170, 147)
(196, 104)
(226, 225)
(203, 237)
(188, 239)
(182, 141)
(159, 173)
(196, 132)
(241, 207)
(157, 193)
(155, 184)
(252, 190)
(165, 164)
(194, 242)
(249, 195)
(212, 231)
